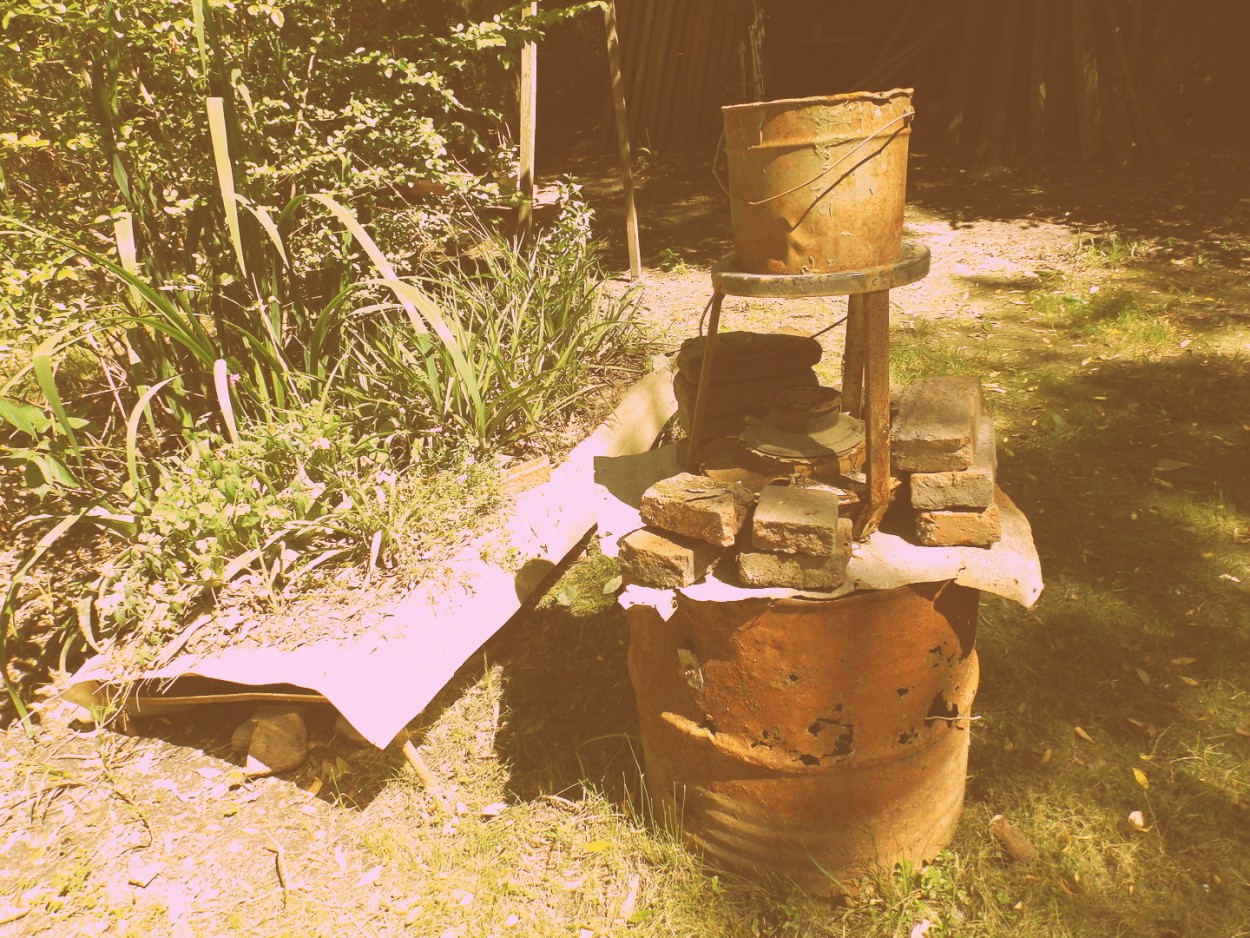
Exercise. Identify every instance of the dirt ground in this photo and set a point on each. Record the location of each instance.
(105, 832)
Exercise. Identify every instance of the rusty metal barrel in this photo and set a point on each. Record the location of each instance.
(818, 185)
(809, 741)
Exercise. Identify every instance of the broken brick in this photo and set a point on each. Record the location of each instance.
(965, 488)
(666, 561)
(959, 528)
(935, 430)
(699, 507)
(793, 520)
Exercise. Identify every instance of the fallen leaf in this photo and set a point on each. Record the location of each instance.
(1137, 821)
(1243, 731)
(1185, 679)
(1143, 676)
(1142, 780)
(597, 846)
(1171, 465)
(1047, 756)
(1015, 843)
(495, 809)
(921, 929)
(610, 587)
(1081, 734)
(1182, 661)
(370, 876)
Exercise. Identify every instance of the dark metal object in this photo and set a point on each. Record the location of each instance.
(911, 265)
(865, 363)
(809, 740)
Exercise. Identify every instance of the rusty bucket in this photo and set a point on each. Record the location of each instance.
(809, 741)
(817, 185)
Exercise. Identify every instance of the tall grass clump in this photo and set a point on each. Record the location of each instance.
(268, 393)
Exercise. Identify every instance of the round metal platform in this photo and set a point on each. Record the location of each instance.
(912, 265)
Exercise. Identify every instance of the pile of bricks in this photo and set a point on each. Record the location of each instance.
(792, 537)
(945, 443)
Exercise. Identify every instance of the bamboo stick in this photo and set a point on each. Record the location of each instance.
(622, 140)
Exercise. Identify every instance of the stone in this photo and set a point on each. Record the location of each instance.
(965, 488)
(936, 427)
(959, 528)
(275, 739)
(790, 519)
(698, 507)
(793, 571)
(666, 561)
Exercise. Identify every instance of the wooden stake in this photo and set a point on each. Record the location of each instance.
(529, 100)
(876, 315)
(622, 141)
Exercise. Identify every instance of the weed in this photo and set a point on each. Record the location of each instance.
(672, 262)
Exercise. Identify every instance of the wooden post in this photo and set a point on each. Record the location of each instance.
(853, 356)
(529, 100)
(622, 141)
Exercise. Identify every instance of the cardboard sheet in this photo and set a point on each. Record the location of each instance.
(380, 683)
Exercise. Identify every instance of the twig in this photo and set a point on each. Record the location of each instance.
(279, 862)
(426, 776)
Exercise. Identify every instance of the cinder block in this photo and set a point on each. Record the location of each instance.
(794, 520)
(794, 571)
(699, 507)
(656, 558)
(966, 488)
(959, 528)
(936, 426)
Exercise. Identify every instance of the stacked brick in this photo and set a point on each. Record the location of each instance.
(793, 538)
(945, 442)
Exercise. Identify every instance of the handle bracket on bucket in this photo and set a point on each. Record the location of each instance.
(904, 117)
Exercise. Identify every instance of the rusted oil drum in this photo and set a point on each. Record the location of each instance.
(818, 185)
(809, 740)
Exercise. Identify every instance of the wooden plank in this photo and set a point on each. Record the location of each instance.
(876, 315)
(526, 133)
(853, 356)
(624, 155)
(711, 78)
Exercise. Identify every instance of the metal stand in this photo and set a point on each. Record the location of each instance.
(865, 362)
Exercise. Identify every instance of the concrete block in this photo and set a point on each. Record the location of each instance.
(965, 488)
(959, 528)
(935, 430)
(666, 561)
(794, 571)
(699, 507)
(794, 520)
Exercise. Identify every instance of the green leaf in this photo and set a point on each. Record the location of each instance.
(27, 418)
(216, 109)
